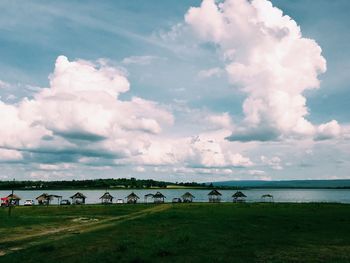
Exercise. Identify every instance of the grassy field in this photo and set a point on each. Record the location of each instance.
(177, 233)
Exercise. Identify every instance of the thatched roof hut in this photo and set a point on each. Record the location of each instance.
(78, 198)
(132, 198)
(214, 196)
(13, 199)
(43, 199)
(187, 197)
(238, 197)
(148, 196)
(158, 198)
(106, 198)
(267, 198)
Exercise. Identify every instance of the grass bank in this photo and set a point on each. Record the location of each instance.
(178, 233)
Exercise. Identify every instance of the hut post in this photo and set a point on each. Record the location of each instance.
(10, 204)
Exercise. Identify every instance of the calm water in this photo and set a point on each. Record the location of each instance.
(253, 195)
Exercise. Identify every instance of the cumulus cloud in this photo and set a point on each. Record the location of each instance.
(206, 150)
(219, 121)
(328, 130)
(80, 120)
(268, 58)
(81, 114)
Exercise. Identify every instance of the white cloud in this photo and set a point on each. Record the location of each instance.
(139, 169)
(256, 172)
(220, 121)
(328, 130)
(267, 56)
(212, 72)
(53, 175)
(4, 84)
(207, 150)
(274, 162)
(11, 97)
(10, 155)
(55, 167)
(80, 113)
(139, 60)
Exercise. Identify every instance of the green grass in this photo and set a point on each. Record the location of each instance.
(189, 233)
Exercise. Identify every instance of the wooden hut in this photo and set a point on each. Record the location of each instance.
(78, 198)
(239, 197)
(187, 197)
(59, 198)
(13, 199)
(267, 198)
(158, 198)
(176, 200)
(148, 196)
(132, 198)
(214, 196)
(45, 199)
(106, 198)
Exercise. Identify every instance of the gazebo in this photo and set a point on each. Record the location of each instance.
(78, 198)
(148, 196)
(214, 196)
(158, 198)
(106, 198)
(45, 199)
(187, 197)
(267, 198)
(59, 198)
(13, 199)
(132, 198)
(239, 197)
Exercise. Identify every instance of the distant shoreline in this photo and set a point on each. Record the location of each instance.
(180, 188)
(150, 184)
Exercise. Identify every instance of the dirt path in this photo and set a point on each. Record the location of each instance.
(25, 241)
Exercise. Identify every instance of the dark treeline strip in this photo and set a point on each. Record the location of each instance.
(92, 184)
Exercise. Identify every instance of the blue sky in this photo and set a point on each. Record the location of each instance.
(181, 117)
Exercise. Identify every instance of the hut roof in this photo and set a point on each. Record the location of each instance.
(133, 195)
(13, 197)
(78, 195)
(214, 192)
(187, 195)
(56, 196)
(238, 194)
(43, 196)
(158, 195)
(106, 195)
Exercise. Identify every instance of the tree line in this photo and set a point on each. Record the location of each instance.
(93, 184)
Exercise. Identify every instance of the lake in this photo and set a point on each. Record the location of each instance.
(253, 195)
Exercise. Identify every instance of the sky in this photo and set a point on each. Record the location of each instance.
(175, 90)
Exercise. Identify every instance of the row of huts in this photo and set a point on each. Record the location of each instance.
(79, 198)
